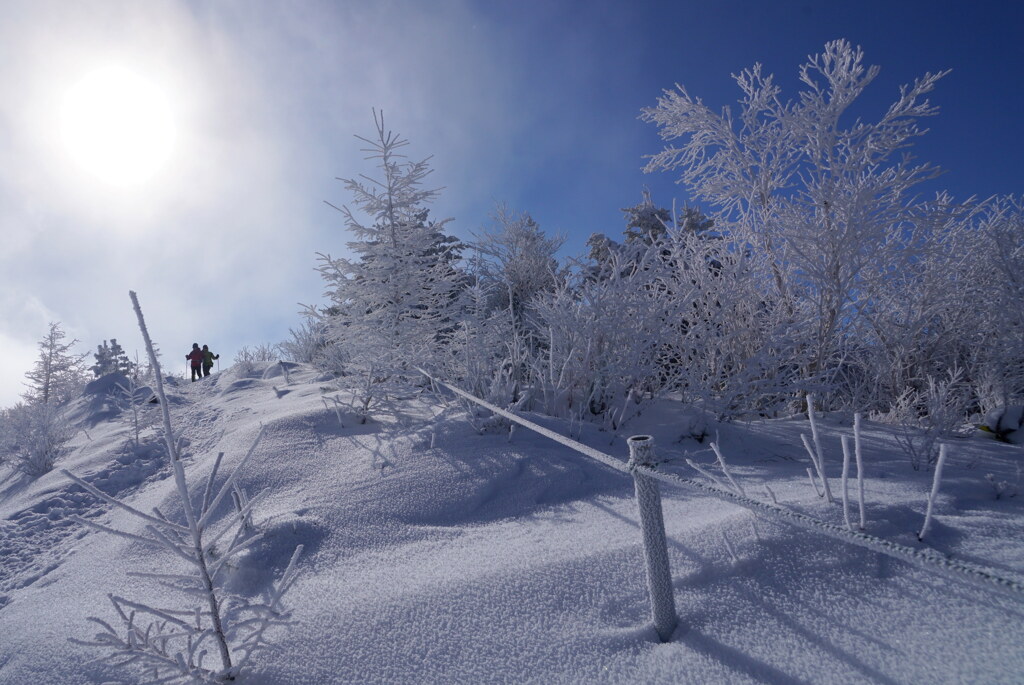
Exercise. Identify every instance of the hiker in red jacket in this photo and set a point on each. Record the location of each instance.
(196, 357)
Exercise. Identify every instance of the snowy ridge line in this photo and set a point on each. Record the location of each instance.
(980, 576)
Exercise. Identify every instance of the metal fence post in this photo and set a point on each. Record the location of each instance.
(648, 499)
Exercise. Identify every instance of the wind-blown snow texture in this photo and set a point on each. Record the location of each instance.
(436, 554)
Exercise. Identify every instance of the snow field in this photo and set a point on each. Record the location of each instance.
(484, 560)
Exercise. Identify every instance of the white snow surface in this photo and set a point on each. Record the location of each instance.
(434, 553)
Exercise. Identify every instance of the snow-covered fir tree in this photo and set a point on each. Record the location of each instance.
(57, 374)
(394, 303)
(112, 359)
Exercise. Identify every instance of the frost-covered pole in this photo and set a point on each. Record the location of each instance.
(648, 499)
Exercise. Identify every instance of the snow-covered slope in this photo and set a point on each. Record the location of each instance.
(434, 553)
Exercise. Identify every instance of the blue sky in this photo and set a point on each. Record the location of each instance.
(530, 103)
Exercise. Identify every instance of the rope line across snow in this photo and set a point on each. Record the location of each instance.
(924, 559)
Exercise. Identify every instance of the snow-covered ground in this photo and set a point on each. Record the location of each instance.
(437, 554)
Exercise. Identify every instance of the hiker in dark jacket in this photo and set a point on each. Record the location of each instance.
(196, 357)
(208, 358)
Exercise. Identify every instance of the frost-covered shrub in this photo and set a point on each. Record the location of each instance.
(598, 355)
(516, 265)
(994, 331)
(33, 437)
(484, 353)
(247, 357)
(257, 353)
(1003, 488)
(925, 417)
(735, 352)
(306, 343)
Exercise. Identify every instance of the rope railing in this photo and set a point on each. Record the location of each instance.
(928, 560)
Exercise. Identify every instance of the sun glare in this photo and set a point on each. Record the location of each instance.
(117, 126)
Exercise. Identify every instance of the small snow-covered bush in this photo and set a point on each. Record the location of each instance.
(307, 342)
(1003, 488)
(926, 417)
(247, 357)
(134, 399)
(34, 437)
(257, 353)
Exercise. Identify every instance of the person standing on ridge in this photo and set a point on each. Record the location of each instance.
(208, 358)
(196, 357)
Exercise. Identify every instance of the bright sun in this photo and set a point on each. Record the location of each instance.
(118, 126)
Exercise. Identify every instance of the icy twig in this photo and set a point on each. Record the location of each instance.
(210, 481)
(819, 456)
(114, 531)
(814, 463)
(229, 481)
(814, 483)
(729, 548)
(934, 493)
(721, 461)
(337, 408)
(706, 474)
(846, 472)
(860, 468)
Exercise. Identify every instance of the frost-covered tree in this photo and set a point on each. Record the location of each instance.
(57, 373)
(112, 359)
(996, 319)
(520, 257)
(646, 225)
(646, 222)
(394, 303)
(821, 197)
(34, 433)
(518, 265)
